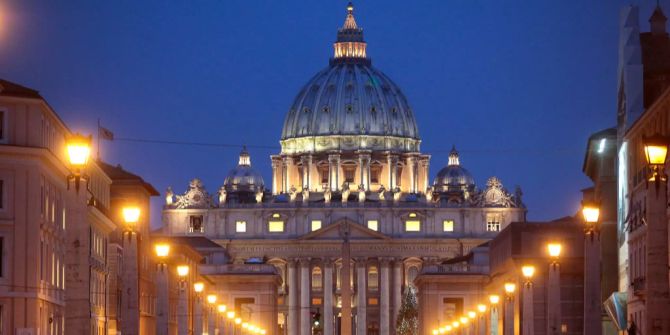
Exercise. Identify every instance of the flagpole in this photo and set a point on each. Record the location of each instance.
(98, 138)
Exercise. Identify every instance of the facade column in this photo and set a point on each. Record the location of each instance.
(384, 317)
(527, 319)
(277, 176)
(657, 306)
(495, 319)
(592, 300)
(508, 318)
(397, 289)
(334, 171)
(345, 283)
(182, 309)
(481, 324)
(361, 290)
(198, 320)
(130, 312)
(211, 320)
(411, 173)
(392, 162)
(423, 175)
(293, 308)
(162, 299)
(305, 322)
(328, 315)
(306, 161)
(554, 299)
(364, 167)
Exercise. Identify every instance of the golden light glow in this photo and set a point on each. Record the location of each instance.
(448, 328)
(455, 324)
(481, 308)
(464, 320)
(435, 332)
(245, 325)
(263, 332)
(276, 226)
(591, 213)
(221, 308)
(472, 314)
(182, 270)
(510, 288)
(199, 287)
(494, 299)
(78, 150)
(238, 321)
(528, 271)
(230, 314)
(554, 249)
(413, 225)
(162, 250)
(131, 215)
(655, 152)
(211, 298)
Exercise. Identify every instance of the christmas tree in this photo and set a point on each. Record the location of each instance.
(408, 317)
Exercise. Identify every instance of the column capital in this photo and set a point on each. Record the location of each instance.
(327, 261)
(305, 261)
(385, 261)
(361, 261)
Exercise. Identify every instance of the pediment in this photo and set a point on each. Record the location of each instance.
(337, 230)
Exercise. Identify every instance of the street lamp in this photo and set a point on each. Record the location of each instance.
(182, 304)
(130, 271)
(131, 216)
(78, 153)
(657, 292)
(182, 271)
(527, 322)
(162, 251)
(509, 289)
(592, 295)
(211, 299)
(554, 290)
(222, 308)
(508, 316)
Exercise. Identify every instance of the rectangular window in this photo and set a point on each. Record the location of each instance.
(412, 226)
(196, 225)
(241, 226)
(316, 225)
(316, 301)
(448, 225)
(373, 301)
(276, 226)
(349, 173)
(492, 223)
(373, 225)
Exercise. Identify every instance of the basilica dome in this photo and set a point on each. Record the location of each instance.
(243, 178)
(453, 177)
(350, 105)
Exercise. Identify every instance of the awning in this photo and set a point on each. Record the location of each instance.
(615, 306)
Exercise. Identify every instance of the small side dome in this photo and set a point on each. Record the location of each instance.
(453, 177)
(243, 178)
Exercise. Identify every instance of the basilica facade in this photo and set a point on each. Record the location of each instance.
(351, 216)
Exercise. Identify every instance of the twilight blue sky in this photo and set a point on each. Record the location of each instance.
(516, 85)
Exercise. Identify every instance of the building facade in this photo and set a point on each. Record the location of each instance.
(351, 216)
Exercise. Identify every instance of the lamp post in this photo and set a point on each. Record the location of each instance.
(494, 299)
(198, 322)
(657, 305)
(230, 315)
(162, 288)
(130, 313)
(527, 321)
(182, 304)
(211, 315)
(78, 153)
(554, 290)
(592, 298)
(481, 308)
(508, 322)
(472, 315)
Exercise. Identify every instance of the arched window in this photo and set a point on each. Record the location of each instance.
(317, 279)
(373, 278)
(412, 272)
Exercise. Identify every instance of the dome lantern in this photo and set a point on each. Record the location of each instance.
(350, 44)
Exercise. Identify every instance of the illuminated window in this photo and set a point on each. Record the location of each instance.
(448, 225)
(373, 301)
(375, 173)
(317, 279)
(241, 226)
(316, 301)
(276, 226)
(373, 278)
(412, 226)
(349, 172)
(493, 222)
(275, 215)
(195, 224)
(412, 215)
(316, 225)
(373, 225)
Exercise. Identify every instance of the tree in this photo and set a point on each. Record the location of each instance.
(407, 322)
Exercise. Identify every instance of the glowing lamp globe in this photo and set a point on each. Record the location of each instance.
(221, 308)
(131, 215)
(591, 213)
(655, 149)
(162, 250)
(554, 249)
(211, 298)
(455, 324)
(78, 150)
(448, 328)
(481, 308)
(494, 299)
(230, 314)
(510, 288)
(182, 270)
(198, 287)
(245, 325)
(472, 314)
(528, 271)
(238, 321)
(435, 331)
